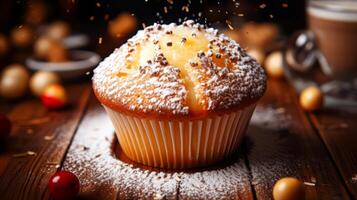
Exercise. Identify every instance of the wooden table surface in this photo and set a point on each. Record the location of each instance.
(282, 140)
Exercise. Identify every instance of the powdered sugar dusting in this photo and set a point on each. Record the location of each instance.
(277, 147)
(91, 158)
(151, 83)
(227, 183)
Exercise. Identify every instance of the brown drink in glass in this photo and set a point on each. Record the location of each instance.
(334, 24)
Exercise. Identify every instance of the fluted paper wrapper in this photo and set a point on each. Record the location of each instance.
(183, 143)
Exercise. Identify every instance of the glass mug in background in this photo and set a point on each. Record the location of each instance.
(331, 39)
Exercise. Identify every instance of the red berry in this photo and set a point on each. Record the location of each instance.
(54, 97)
(5, 126)
(63, 185)
(52, 102)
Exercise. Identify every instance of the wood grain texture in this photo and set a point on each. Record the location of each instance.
(5, 108)
(105, 172)
(281, 142)
(47, 134)
(85, 153)
(338, 131)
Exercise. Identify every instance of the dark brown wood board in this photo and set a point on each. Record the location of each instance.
(338, 131)
(38, 142)
(281, 142)
(107, 174)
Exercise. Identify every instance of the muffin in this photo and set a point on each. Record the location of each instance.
(179, 96)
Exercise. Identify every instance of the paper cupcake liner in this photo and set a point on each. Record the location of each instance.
(183, 143)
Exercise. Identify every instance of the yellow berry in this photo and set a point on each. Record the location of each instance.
(274, 65)
(41, 80)
(311, 98)
(288, 188)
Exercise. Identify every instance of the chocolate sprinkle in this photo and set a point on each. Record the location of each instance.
(161, 85)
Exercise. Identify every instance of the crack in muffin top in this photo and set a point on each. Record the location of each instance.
(178, 70)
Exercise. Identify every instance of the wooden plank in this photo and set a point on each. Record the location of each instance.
(338, 131)
(281, 142)
(5, 107)
(105, 173)
(45, 133)
(94, 135)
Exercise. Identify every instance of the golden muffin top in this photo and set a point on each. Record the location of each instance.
(178, 70)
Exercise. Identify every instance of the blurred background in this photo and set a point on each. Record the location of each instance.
(70, 37)
(93, 17)
(288, 13)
